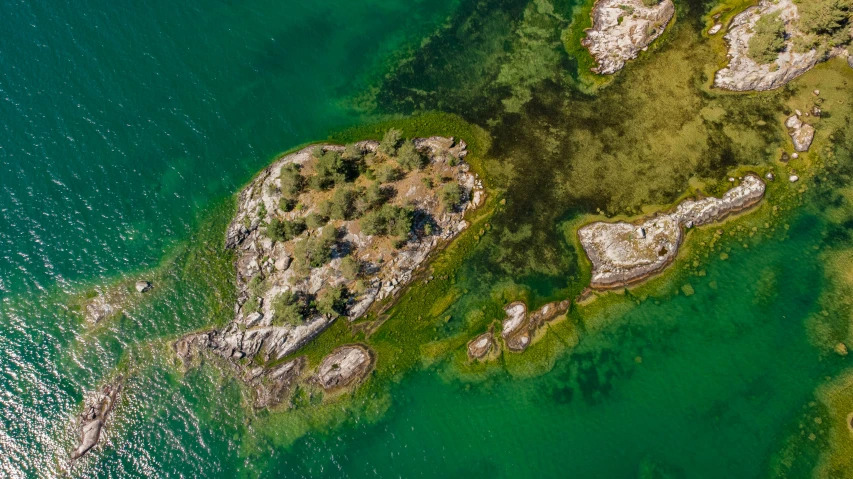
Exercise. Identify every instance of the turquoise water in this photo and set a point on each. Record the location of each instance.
(126, 128)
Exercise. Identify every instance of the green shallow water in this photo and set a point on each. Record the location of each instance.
(127, 127)
(724, 374)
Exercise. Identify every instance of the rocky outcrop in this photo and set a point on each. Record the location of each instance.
(94, 417)
(622, 253)
(99, 309)
(482, 345)
(518, 327)
(801, 133)
(622, 28)
(344, 367)
(143, 286)
(270, 385)
(743, 73)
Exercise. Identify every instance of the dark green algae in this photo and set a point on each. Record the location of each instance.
(553, 151)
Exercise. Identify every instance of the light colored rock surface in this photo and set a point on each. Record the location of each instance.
(801, 133)
(623, 253)
(744, 74)
(344, 366)
(715, 29)
(143, 286)
(94, 418)
(621, 29)
(481, 346)
(519, 327)
(793, 178)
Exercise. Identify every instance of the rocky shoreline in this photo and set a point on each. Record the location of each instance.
(623, 28)
(624, 253)
(744, 74)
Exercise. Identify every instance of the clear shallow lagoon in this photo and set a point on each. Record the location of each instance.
(125, 125)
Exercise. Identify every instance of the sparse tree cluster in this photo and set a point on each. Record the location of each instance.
(768, 39)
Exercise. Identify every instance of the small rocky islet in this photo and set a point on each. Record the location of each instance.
(93, 419)
(624, 253)
(325, 233)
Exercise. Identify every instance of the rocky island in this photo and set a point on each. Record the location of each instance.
(775, 42)
(325, 233)
(623, 253)
(622, 28)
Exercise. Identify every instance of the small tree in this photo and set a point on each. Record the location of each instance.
(353, 152)
(287, 308)
(389, 220)
(768, 39)
(349, 268)
(291, 180)
(278, 230)
(331, 301)
(390, 142)
(409, 157)
(343, 202)
(451, 195)
(387, 173)
(286, 204)
(314, 221)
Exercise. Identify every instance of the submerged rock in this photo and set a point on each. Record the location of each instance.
(622, 28)
(841, 349)
(94, 418)
(345, 366)
(623, 253)
(801, 133)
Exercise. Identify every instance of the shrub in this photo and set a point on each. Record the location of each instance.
(386, 173)
(768, 39)
(262, 211)
(251, 305)
(651, 3)
(451, 195)
(390, 142)
(409, 157)
(291, 180)
(287, 308)
(331, 301)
